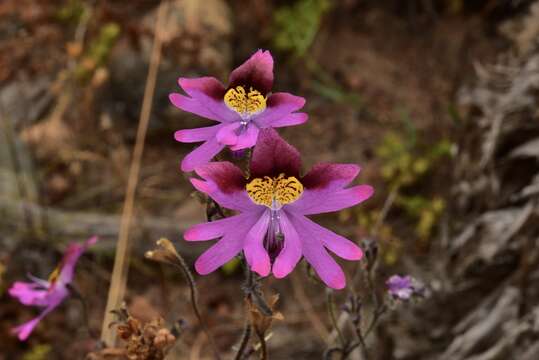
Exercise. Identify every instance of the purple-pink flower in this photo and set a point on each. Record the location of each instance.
(242, 109)
(48, 294)
(400, 287)
(272, 228)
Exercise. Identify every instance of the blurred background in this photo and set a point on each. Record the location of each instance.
(435, 99)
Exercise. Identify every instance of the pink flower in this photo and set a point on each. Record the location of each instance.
(400, 287)
(242, 109)
(272, 228)
(48, 294)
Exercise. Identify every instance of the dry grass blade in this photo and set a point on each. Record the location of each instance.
(121, 261)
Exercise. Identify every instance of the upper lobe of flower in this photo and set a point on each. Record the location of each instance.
(272, 228)
(242, 108)
(48, 294)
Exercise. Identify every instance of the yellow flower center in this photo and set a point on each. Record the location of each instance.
(274, 192)
(53, 277)
(245, 103)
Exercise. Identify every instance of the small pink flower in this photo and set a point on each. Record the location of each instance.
(242, 108)
(272, 228)
(48, 294)
(400, 287)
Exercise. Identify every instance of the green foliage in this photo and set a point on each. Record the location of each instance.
(232, 266)
(296, 25)
(406, 162)
(426, 211)
(403, 161)
(71, 12)
(98, 50)
(38, 352)
(390, 245)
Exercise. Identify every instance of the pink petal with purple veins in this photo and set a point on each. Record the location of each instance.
(321, 201)
(227, 133)
(291, 253)
(290, 120)
(341, 246)
(255, 253)
(327, 176)
(273, 156)
(213, 229)
(238, 200)
(209, 93)
(257, 72)
(191, 105)
(279, 105)
(197, 134)
(226, 248)
(315, 254)
(201, 155)
(246, 139)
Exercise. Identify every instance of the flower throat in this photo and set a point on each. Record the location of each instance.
(274, 192)
(245, 103)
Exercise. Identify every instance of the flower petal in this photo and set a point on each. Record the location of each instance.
(207, 85)
(238, 200)
(201, 155)
(257, 72)
(226, 248)
(340, 245)
(279, 106)
(273, 156)
(227, 133)
(320, 201)
(330, 176)
(71, 257)
(227, 176)
(194, 106)
(23, 331)
(291, 253)
(209, 93)
(255, 253)
(31, 294)
(197, 134)
(290, 120)
(315, 254)
(247, 138)
(213, 229)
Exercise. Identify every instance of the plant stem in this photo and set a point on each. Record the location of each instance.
(182, 265)
(330, 305)
(244, 340)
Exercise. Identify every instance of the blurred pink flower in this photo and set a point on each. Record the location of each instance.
(48, 294)
(272, 228)
(400, 287)
(242, 109)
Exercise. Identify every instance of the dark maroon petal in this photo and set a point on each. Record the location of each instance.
(227, 176)
(209, 86)
(327, 175)
(273, 156)
(257, 72)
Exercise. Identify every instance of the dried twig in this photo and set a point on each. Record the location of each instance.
(121, 261)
